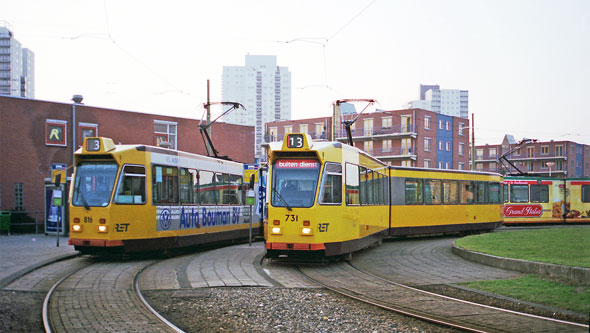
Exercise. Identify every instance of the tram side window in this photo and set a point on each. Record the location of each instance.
(233, 195)
(495, 193)
(131, 185)
(379, 199)
(331, 188)
(467, 192)
(432, 192)
(186, 186)
(364, 185)
(414, 191)
(352, 184)
(207, 188)
(519, 193)
(481, 192)
(165, 184)
(450, 192)
(585, 193)
(539, 193)
(505, 190)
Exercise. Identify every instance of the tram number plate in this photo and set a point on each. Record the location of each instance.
(291, 217)
(323, 227)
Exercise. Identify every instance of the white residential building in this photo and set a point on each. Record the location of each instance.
(451, 102)
(17, 69)
(263, 88)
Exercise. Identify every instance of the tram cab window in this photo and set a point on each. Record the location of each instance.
(331, 186)
(294, 182)
(207, 188)
(165, 184)
(93, 185)
(414, 191)
(131, 185)
(495, 193)
(539, 193)
(519, 193)
(585, 193)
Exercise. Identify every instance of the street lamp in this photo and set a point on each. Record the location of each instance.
(550, 164)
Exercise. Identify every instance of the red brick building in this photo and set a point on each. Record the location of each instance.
(410, 137)
(36, 134)
(560, 158)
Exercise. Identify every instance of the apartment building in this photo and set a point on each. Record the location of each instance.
(409, 137)
(549, 158)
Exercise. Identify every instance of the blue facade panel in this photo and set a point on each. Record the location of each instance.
(579, 160)
(444, 144)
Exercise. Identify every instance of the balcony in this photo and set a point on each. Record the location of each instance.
(522, 157)
(395, 131)
(394, 153)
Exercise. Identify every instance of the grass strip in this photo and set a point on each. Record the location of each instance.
(541, 291)
(561, 246)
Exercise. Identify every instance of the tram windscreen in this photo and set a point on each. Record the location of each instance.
(294, 182)
(94, 184)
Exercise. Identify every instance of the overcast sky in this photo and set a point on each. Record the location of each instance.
(526, 64)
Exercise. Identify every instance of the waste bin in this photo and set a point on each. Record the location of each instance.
(5, 221)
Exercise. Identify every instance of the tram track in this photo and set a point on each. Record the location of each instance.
(347, 280)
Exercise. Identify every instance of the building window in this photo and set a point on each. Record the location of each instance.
(406, 148)
(165, 132)
(56, 133)
(427, 163)
(461, 129)
(86, 130)
(448, 165)
(303, 128)
(440, 165)
(448, 124)
(319, 131)
(492, 152)
(368, 147)
(426, 122)
(440, 145)
(440, 124)
(544, 150)
(558, 150)
(427, 144)
(479, 154)
(448, 146)
(386, 122)
(461, 166)
(19, 196)
(386, 146)
(368, 127)
(273, 132)
(531, 151)
(288, 129)
(461, 149)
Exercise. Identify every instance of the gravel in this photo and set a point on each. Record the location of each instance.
(256, 309)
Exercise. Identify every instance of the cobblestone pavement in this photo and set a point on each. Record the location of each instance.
(427, 261)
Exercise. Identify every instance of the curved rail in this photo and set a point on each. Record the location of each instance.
(441, 309)
(148, 306)
(45, 312)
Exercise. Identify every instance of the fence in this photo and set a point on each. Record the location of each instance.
(22, 221)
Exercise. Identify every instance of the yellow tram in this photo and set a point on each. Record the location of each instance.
(328, 199)
(134, 197)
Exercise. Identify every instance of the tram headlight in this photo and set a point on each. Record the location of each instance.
(306, 231)
(102, 228)
(276, 231)
(77, 228)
